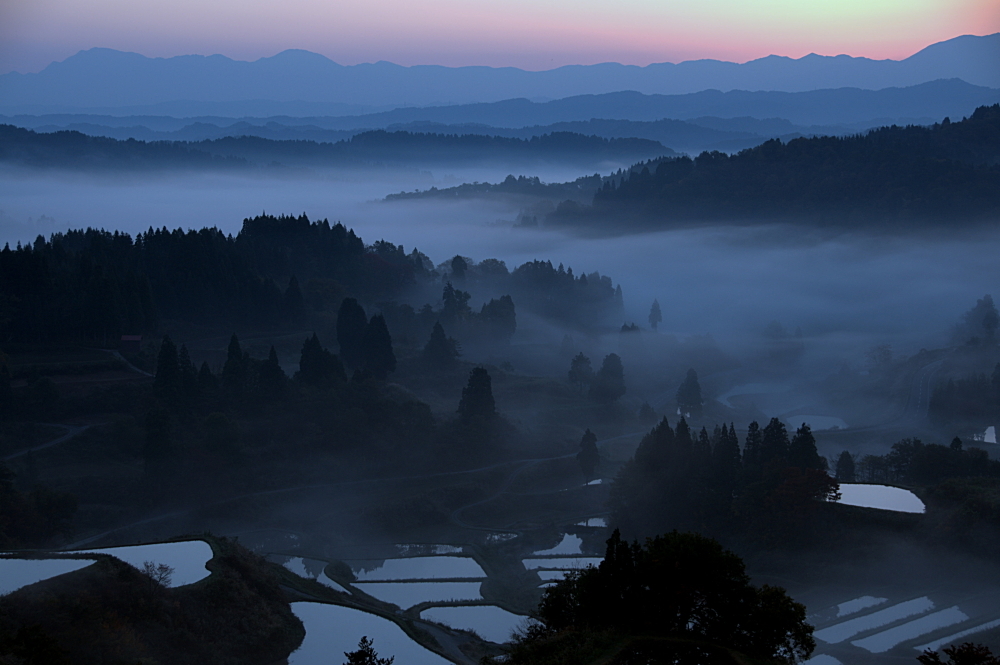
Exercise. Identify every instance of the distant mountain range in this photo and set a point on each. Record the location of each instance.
(691, 123)
(379, 149)
(304, 83)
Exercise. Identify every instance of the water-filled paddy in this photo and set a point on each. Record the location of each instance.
(326, 581)
(594, 522)
(858, 604)
(408, 594)
(187, 558)
(490, 622)
(887, 639)
(944, 641)
(17, 573)
(332, 630)
(881, 496)
(848, 629)
(569, 544)
(423, 568)
(562, 563)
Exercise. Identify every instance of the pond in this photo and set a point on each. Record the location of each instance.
(570, 544)
(17, 573)
(408, 594)
(422, 568)
(332, 630)
(490, 622)
(883, 497)
(848, 629)
(187, 558)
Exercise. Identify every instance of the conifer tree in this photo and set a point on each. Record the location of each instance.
(351, 325)
(609, 383)
(234, 371)
(376, 349)
(845, 467)
(588, 457)
(477, 403)
(440, 349)
(689, 394)
(752, 454)
(802, 450)
(774, 441)
(580, 371)
(655, 316)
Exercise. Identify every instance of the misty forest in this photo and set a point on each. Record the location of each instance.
(604, 376)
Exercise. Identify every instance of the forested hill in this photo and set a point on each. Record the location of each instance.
(73, 150)
(278, 272)
(948, 171)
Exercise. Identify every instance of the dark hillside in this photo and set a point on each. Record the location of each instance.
(888, 176)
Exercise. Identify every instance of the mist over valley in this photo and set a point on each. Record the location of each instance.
(641, 377)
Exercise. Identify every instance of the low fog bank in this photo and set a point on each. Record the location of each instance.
(843, 293)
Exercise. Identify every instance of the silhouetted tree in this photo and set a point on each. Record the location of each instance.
(655, 316)
(351, 325)
(752, 453)
(845, 467)
(167, 383)
(458, 268)
(234, 371)
(964, 654)
(680, 586)
(440, 349)
(317, 366)
(366, 655)
(802, 450)
(294, 303)
(477, 403)
(272, 377)
(499, 319)
(689, 394)
(376, 349)
(580, 371)
(774, 441)
(609, 382)
(588, 457)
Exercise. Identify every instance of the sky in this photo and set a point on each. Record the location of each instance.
(530, 34)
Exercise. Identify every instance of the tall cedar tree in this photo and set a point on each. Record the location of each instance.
(580, 371)
(440, 350)
(477, 401)
(689, 394)
(655, 316)
(588, 457)
(376, 349)
(609, 383)
(351, 325)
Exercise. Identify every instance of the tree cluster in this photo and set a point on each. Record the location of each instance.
(679, 598)
(889, 175)
(679, 479)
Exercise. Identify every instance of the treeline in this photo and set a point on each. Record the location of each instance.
(913, 462)
(277, 272)
(71, 149)
(893, 174)
(767, 492)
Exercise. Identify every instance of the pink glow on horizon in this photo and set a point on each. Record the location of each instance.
(515, 33)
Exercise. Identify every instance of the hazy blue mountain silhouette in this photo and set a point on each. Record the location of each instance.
(708, 120)
(299, 81)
